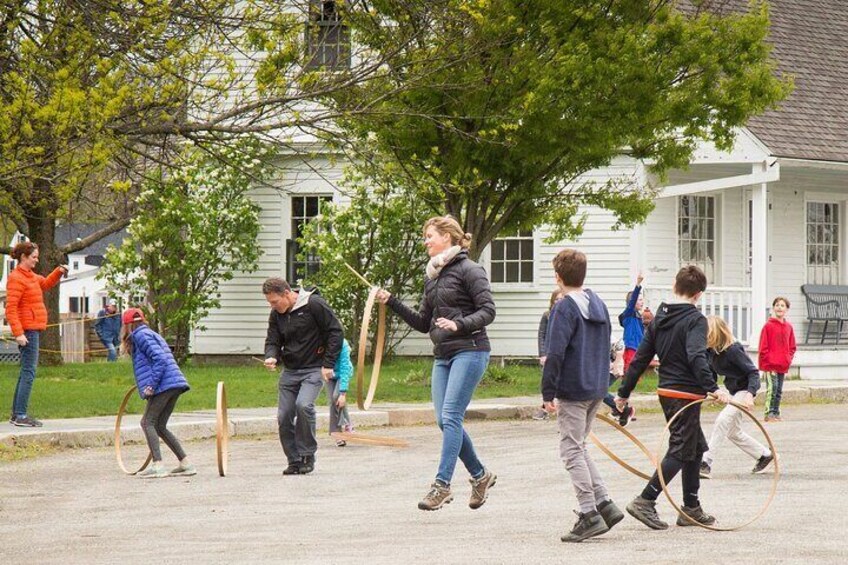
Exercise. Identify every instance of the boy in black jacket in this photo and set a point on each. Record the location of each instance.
(678, 335)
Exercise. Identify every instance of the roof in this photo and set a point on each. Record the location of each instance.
(65, 233)
(810, 40)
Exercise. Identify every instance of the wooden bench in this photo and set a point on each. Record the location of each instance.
(826, 303)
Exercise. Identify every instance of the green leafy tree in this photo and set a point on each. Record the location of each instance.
(378, 234)
(195, 226)
(530, 95)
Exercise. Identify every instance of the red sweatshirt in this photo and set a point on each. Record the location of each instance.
(777, 346)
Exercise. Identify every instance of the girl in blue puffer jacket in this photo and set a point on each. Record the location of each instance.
(161, 383)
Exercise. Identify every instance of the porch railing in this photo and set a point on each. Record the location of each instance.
(733, 303)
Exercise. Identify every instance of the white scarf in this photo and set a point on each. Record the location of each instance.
(434, 266)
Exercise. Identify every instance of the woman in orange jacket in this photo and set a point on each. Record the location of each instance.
(27, 317)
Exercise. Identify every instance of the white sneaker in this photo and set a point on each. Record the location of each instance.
(184, 470)
(153, 472)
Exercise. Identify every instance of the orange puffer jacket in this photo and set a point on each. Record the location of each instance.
(25, 299)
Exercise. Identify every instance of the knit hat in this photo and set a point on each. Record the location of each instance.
(132, 315)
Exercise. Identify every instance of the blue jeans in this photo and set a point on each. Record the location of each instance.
(29, 361)
(111, 351)
(453, 384)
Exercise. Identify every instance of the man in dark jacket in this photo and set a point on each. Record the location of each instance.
(678, 336)
(303, 333)
(576, 374)
(108, 329)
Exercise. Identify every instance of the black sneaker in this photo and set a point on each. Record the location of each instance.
(610, 513)
(588, 525)
(697, 513)
(293, 468)
(307, 464)
(762, 463)
(27, 422)
(626, 415)
(646, 512)
(705, 471)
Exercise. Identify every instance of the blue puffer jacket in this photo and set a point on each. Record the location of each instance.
(344, 367)
(153, 363)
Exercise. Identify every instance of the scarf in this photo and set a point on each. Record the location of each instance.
(437, 262)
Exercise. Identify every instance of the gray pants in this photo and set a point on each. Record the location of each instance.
(574, 418)
(338, 418)
(154, 422)
(298, 390)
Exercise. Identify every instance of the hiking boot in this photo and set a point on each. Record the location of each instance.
(697, 514)
(27, 422)
(186, 470)
(540, 414)
(610, 513)
(438, 496)
(588, 525)
(762, 463)
(153, 472)
(293, 468)
(705, 471)
(646, 512)
(307, 464)
(480, 489)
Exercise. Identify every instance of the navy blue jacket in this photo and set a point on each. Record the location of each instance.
(108, 327)
(739, 371)
(153, 363)
(578, 349)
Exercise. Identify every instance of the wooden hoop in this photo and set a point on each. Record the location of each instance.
(370, 440)
(378, 350)
(222, 429)
(117, 437)
(609, 453)
(773, 483)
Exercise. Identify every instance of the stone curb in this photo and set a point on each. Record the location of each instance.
(389, 416)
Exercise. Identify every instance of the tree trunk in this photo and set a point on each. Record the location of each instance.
(42, 230)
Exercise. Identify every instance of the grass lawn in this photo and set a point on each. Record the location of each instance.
(96, 389)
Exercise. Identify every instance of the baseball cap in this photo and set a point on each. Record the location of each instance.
(131, 315)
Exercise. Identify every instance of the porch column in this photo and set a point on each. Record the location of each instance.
(759, 257)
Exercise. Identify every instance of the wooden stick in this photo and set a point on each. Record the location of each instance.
(360, 277)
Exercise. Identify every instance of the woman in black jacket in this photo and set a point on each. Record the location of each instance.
(742, 379)
(455, 310)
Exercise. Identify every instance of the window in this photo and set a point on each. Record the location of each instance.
(78, 304)
(304, 209)
(696, 233)
(512, 258)
(823, 242)
(12, 265)
(327, 38)
(76, 265)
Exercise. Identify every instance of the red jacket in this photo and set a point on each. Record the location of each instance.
(777, 346)
(25, 299)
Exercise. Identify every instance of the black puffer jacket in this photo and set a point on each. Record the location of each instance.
(460, 293)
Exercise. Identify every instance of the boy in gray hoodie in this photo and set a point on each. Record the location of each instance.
(576, 374)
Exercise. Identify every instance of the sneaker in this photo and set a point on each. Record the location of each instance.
(293, 468)
(772, 418)
(626, 415)
(540, 414)
(646, 512)
(153, 472)
(340, 443)
(27, 422)
(480, 489)
(307, 464)
(186, 470)
(705, 471)
(610, 513)
(439, 495)
(588, 525)
(697, 514)
(762, 463)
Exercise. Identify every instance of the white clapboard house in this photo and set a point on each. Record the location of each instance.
(762, 219)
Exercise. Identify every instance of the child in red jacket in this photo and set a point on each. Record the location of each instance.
(777, 348)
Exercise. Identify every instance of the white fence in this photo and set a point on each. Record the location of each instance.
(729, 302)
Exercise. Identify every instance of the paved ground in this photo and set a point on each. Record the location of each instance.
(359, 505)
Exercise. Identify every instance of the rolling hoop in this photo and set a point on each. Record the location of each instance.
(772, 492)
(609, 453)
(366, 439)
(117, 437)
(378, 350)
(222, 429)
